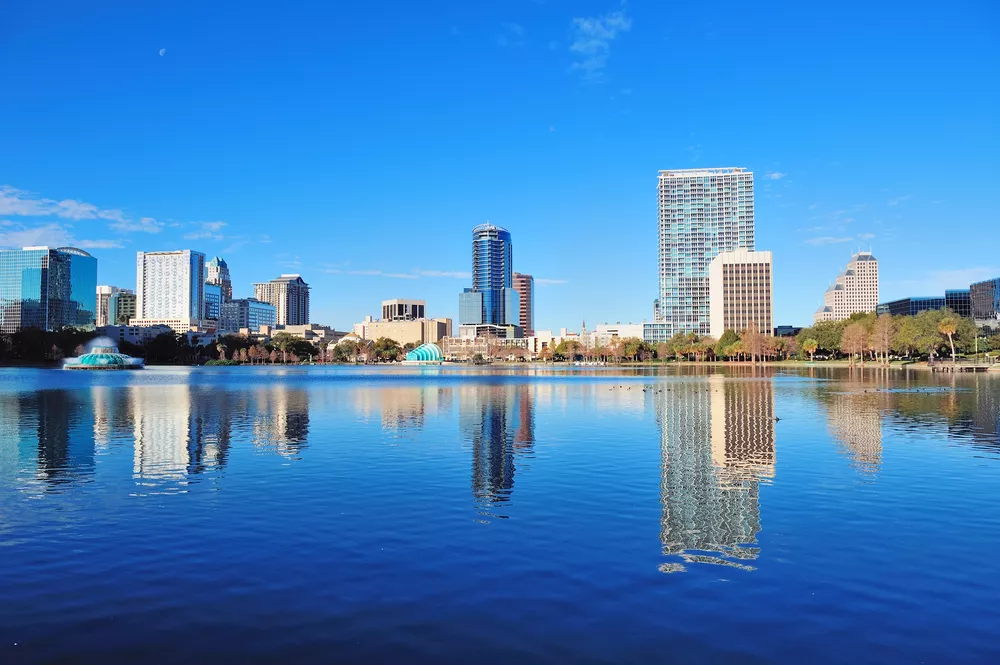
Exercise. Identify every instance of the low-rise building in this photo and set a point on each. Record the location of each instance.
(605, 332)
(984, 298)
(177, 325)
(405, 331)
(910, 306)
(489, 330)
(137, 335)
(248, 313)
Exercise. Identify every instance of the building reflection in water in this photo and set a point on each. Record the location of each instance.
(498, 422)
(854, 420)
(717, 443)
(281, 420)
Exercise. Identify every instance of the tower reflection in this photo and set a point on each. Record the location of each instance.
(498, 421)
(717, 443)
(854, 420)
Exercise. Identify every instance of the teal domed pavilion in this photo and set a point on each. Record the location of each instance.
(103, 357)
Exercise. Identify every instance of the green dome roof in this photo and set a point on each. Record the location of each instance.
(426, 352)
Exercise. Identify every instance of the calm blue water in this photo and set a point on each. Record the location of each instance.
(456, 516)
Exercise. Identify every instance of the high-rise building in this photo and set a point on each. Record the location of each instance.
(525, 287)
(398, 309)
(170, 289)
(104, 295)
(854, 290)
(492, 300)
(248, 313)
(702, 212)
(218, 273)
(290, 296)
(984, 299)
(121, 307)
(740, 292)
(42, 287)
(213, 302)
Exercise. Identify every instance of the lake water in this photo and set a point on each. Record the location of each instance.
(454, 516)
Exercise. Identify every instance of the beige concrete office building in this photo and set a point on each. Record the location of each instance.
(417, 331)
(854, 290)
(740, 292)
(290, 296)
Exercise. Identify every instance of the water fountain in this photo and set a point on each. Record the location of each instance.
(103, 354)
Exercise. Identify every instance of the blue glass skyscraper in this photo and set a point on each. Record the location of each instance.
(492, 299)
(47, 288)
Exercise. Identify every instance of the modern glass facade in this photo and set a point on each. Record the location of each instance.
(47, 288)
(213, 301)
(910, 306)
(702, 212)
(470, 307)
(959, 301)
(247, 313)
(121, 308)
(984, 300)
(492, 279)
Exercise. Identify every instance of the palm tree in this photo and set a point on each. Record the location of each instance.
(810, 346)
(948, 326)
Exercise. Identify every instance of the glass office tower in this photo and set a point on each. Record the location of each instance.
(703, 212)
(47, 288)
(492, 299)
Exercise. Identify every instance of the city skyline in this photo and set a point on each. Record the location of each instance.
(570, 173)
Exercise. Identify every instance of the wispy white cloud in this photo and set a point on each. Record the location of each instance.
(209, 230)
(53, 234)
(814, 206)
(827, 240)
(546, 280)
(899, 199)
(457, 274)
(591, 40)
(775, 175)
(866, 236)
(937, 281)
(141, 225)
(17, 202)
(380, 273)
(512, 34)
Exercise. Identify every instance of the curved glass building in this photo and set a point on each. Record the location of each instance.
(492, 299)
(46, 288)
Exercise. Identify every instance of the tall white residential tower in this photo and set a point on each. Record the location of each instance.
(702, 212)
(170, 289)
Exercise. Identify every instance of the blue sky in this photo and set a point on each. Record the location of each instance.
(358, 143)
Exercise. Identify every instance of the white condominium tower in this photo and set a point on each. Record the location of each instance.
(854, 290)
(702, 212)
(170, 288)
(290, 296)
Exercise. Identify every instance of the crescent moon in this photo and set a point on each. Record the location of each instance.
(163, 52)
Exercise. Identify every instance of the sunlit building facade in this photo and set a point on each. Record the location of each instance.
(47, 288)
(702, 212)
(492, 300)
(740, 292)
(290, 296)
(855, 290)
(170, 289)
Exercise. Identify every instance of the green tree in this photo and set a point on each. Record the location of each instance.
(283, 342)
(386, 350)
(728, 338)
(810, 346)
(948, 326)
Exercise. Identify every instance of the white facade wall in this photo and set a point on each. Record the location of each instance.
(170, 285)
